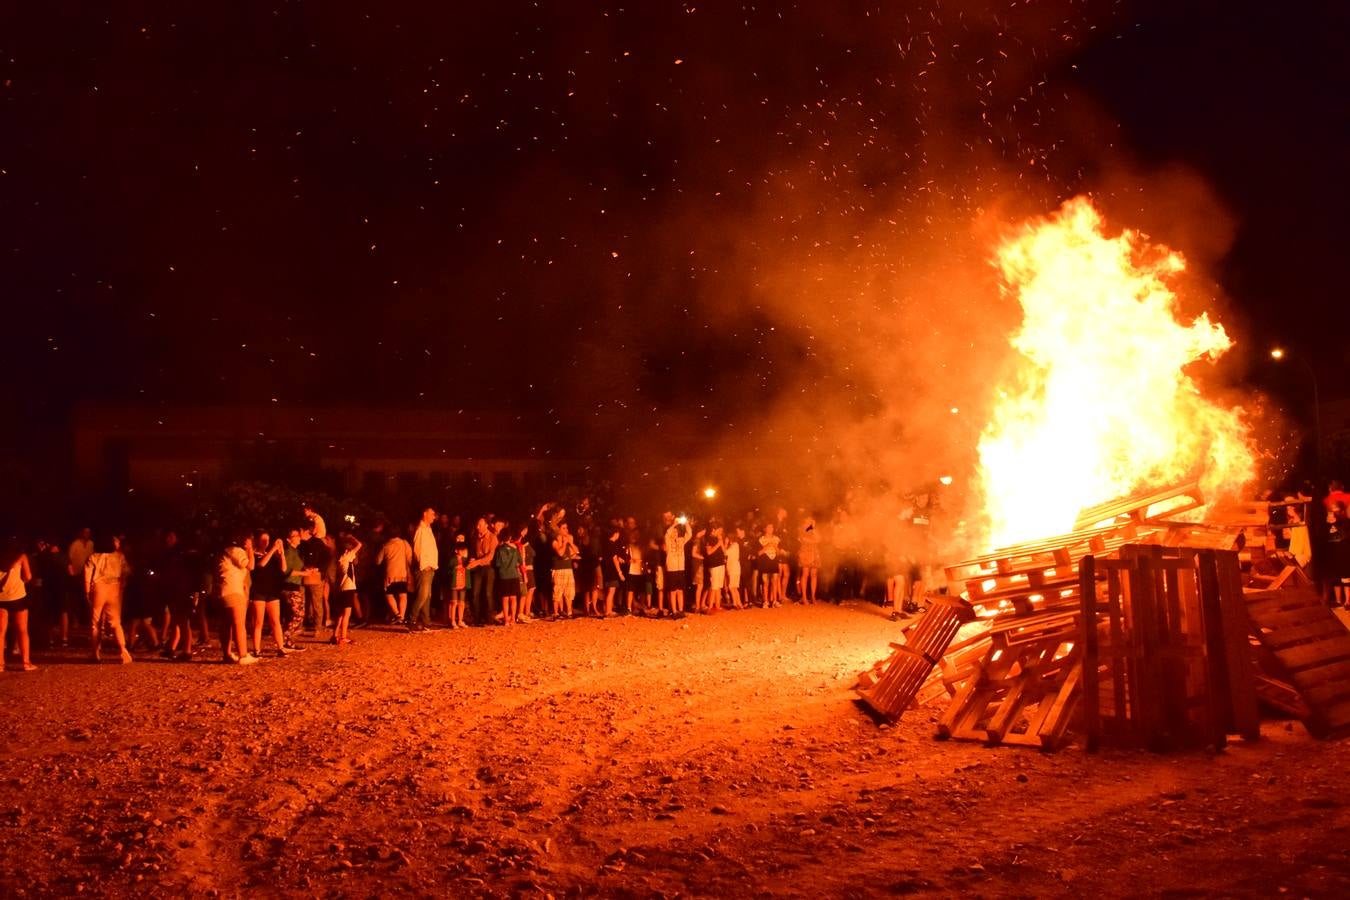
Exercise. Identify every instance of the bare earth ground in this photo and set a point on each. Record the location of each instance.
(719, 756)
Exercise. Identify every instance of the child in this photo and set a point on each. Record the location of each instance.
(459, 582)
(526, 547)
(506, 562)
(346, 594)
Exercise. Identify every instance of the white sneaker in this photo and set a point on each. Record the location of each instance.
(248, 659)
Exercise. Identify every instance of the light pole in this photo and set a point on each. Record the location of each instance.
(1278, 354)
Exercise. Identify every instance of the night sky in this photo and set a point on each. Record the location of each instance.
(582, 207)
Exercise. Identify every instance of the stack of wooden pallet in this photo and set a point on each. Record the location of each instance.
(1025, 580)
(1146, 616)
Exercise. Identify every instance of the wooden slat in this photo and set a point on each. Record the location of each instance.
(1316, 675)
(1319, 629)
(1322, 653)
(1291, 618)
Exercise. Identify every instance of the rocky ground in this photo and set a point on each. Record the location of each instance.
(717, 756)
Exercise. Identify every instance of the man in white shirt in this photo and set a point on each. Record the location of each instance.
(428, 560)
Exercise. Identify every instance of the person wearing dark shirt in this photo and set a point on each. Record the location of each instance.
(715, 563)
(314, 553)
(615, 566)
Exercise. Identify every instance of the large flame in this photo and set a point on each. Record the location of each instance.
(1102, 406)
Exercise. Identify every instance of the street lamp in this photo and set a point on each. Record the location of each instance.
(709, 492)
(1278, 354)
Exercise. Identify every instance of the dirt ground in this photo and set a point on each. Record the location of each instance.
(718, 756)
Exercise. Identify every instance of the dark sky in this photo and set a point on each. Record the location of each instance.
(571, 205)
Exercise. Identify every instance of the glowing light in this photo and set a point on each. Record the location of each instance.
(1277, 353)
(709, 492)
(945, 480)
(1102, 405)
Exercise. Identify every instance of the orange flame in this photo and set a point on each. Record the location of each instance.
(1102, 406)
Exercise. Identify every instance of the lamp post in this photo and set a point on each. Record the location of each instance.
(1278, 354)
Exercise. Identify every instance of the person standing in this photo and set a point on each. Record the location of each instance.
(396, 557)
(426, 555)
(768, 566)
(506, 561)
(265, 591)
(677, 536)
(733, 553)
(232, 570)
(77, 598)
(635, 578)
(527, 560)
(808, 561)
(105, 580)
(292, 587)
(715, 561)
(459, 581)
(15, 573)
(484, 549)
(345, 598)
(616, 564)
(314, 553)
(564, 578)
(316, 523)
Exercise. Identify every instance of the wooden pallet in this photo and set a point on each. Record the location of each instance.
(1143, 507)
(1026, 687)
(1306, 648)
(1165, 652)
(893, 690)
(1036, 577)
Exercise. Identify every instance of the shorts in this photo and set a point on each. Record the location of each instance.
(767, 566)
(396, 587)
(734, 576)
(718, 574)
(14, 606)
(527, 580)
(675, 580)
(264, 596)
(108, 598)
(508, 587)
(234, 601)
(343, 601)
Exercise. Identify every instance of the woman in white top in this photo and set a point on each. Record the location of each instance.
(233, 574)
(105, 581)
(15, 573)
(733, 551)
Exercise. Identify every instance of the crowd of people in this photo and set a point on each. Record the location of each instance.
(282, 591)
